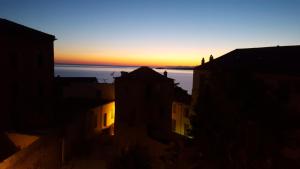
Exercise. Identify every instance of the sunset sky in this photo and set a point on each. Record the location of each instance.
(156, 32)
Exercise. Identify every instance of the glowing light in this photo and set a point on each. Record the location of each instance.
(180, 120)
(106, 116)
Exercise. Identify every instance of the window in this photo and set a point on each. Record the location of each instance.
(104, 119)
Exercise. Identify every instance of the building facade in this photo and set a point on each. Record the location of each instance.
(27, 66)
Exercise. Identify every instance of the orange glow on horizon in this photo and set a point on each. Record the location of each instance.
(130, 58)
(145, 53)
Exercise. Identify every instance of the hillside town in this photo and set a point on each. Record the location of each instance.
(243, 111)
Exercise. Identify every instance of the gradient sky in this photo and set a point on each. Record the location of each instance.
(156, 32)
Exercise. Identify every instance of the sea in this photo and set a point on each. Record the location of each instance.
(106, 74)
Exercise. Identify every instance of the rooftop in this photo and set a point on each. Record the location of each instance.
(145, 73)
(14, 29)
(278, 59)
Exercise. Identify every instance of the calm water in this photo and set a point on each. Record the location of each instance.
(107, 73)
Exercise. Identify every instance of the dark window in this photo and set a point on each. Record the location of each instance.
(104, 119)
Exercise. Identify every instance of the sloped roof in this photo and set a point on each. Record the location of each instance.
(279, 59)
(145, 73)
(14, 29)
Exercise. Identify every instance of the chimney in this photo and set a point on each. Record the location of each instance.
(165, 73)
(211, 58)
(202, 61)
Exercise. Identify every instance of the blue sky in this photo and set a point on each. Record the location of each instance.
(185, 30)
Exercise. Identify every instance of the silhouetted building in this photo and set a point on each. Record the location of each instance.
(27, 66)
(250, 98)
(276, 66)
(143, 107)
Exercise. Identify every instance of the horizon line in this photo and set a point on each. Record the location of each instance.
(118, 65)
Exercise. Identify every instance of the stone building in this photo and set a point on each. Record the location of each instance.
(27, 67)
